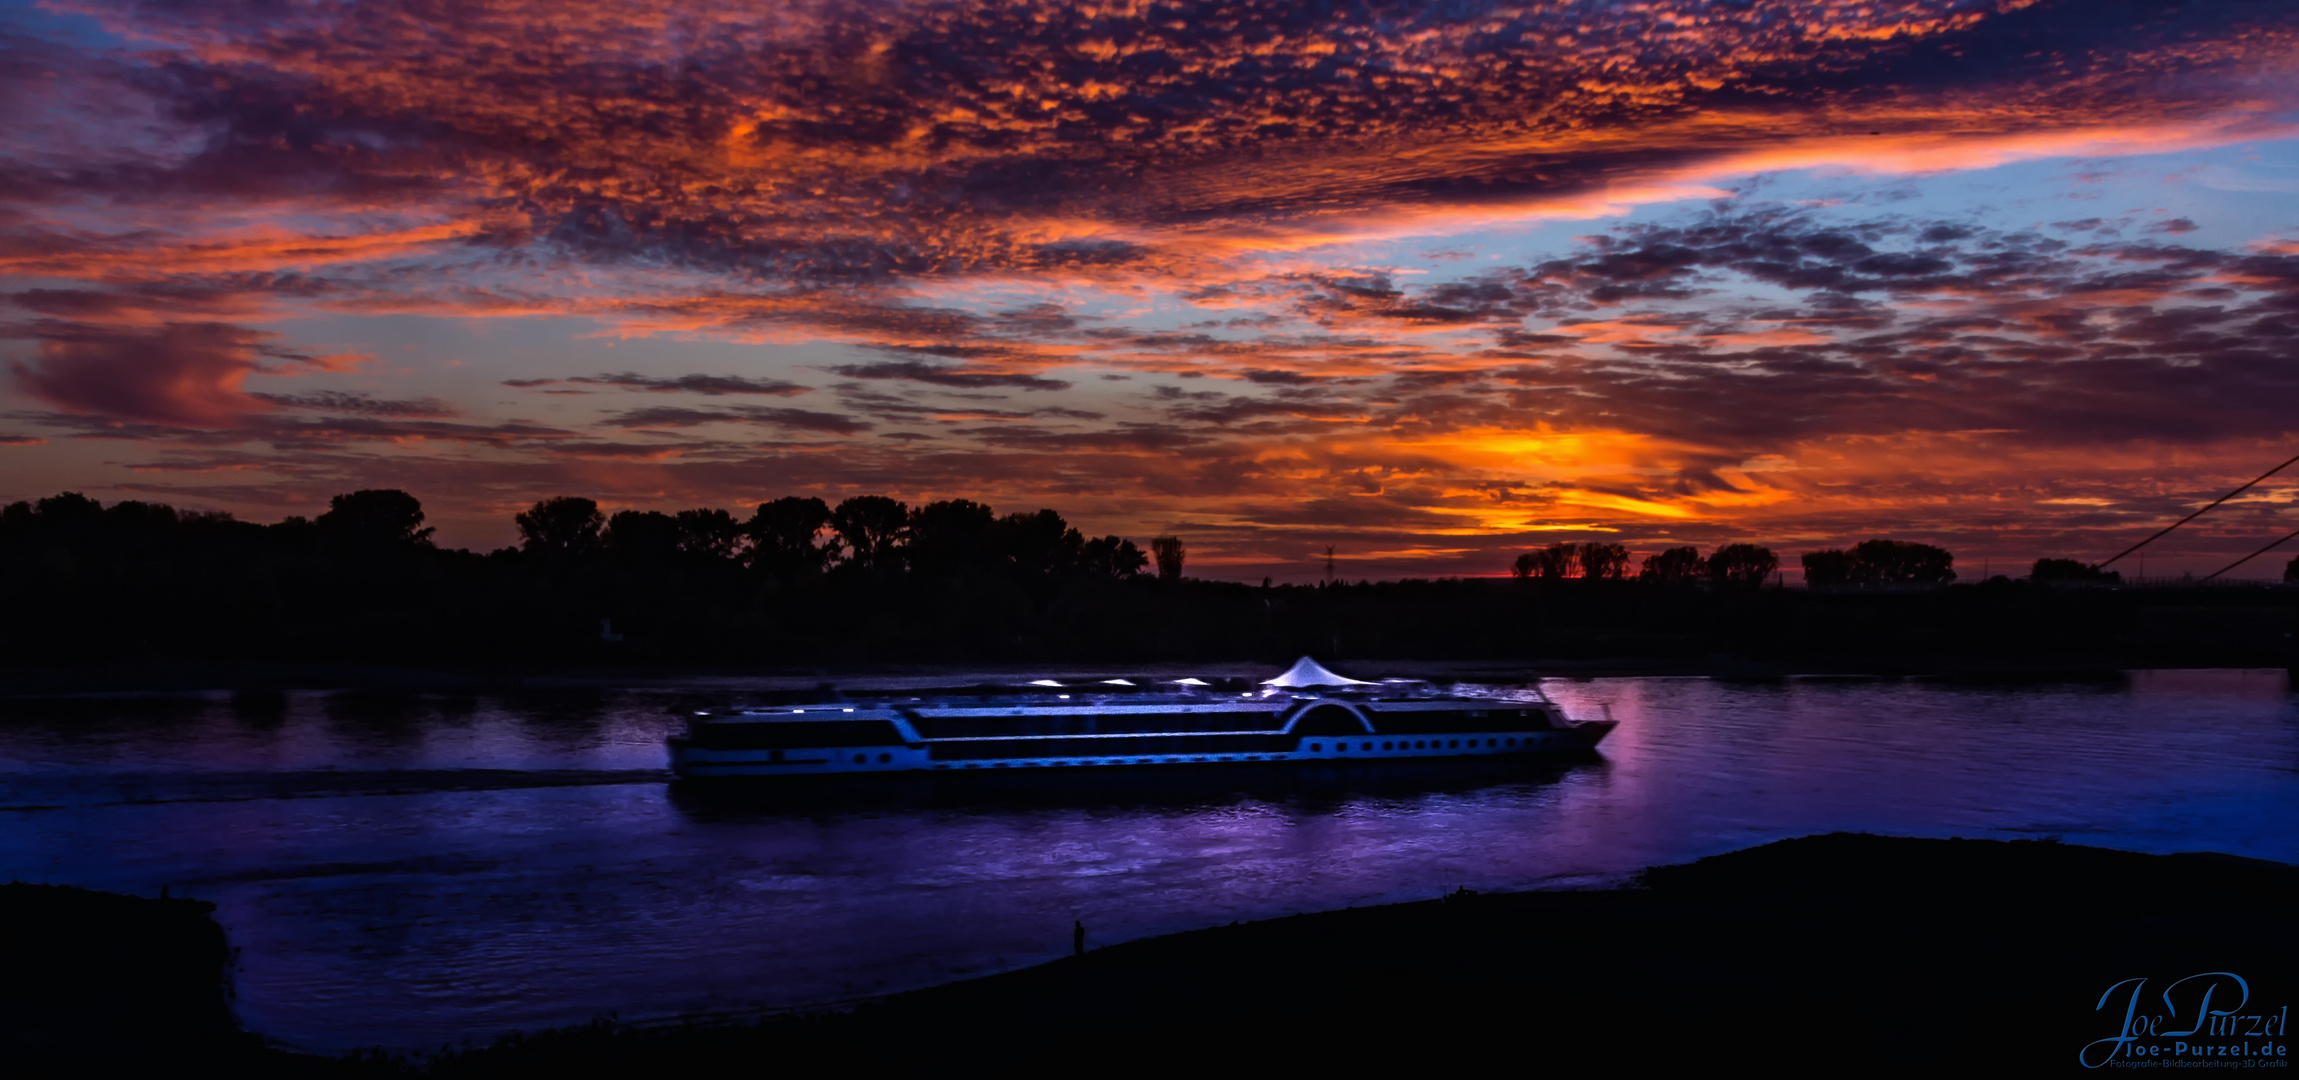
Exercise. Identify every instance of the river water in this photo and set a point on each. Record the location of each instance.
(408, 871)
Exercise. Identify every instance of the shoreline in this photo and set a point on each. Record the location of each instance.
(1841, 950)
(145, 679)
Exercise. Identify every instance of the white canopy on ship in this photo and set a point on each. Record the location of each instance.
(1307, 672)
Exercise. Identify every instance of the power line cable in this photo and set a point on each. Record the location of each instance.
(2253, 555)
(2199, 513)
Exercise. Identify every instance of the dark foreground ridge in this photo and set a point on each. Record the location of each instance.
(1832, 953)
(94, 977)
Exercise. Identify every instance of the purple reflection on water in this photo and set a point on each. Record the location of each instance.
(415, 870)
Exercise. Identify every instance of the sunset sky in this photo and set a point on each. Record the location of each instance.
(1430, 283)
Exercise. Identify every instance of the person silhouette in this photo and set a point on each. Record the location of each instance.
(1078, 937)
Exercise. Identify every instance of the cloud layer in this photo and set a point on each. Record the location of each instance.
(1086, 255)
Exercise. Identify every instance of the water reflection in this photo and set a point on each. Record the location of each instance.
(412, 869)
(1315, 788)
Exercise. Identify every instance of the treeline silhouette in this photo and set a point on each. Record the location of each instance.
(799, 582)
(796, 579)
(1731, 566)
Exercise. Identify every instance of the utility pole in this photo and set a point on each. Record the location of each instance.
(1329, 564)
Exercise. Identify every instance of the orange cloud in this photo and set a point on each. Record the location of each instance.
(266, 249)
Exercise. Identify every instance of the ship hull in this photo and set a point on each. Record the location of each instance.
(699, 762)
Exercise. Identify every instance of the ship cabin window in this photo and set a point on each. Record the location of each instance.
(860, 758)
(1453, 744)
(1512, 742)
(1365, 746)
(1316, 748)
(1388, 746)
(884, 758)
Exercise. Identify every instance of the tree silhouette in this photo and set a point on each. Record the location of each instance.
(565, 527)
(1880, 562)
(1170, 552)
(2290, 572)
(1901, 562)
(374, 519)
(642, 537)
(785, 536)
(1742, 565)
(1676, 566)
(1110, 556)
(713, 534)
(134, 516)
(1040, 544)
(951, 536)
(1528, 563)
(69, 507)
(873, 528)
(70, 522)
(1603, 562)
(1825, 568)
(1556, 561)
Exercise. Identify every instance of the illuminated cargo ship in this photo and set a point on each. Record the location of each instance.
(1307, 714)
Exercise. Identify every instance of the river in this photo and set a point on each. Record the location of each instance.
(407, 871)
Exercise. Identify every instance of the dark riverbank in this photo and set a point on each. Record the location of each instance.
(1835, 952)
(126, 600)
(164, 677)
(94, 977)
